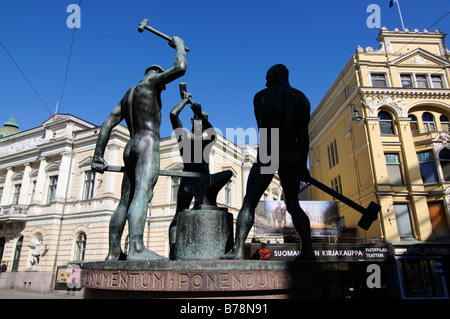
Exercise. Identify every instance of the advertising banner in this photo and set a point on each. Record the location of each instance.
(272, 218)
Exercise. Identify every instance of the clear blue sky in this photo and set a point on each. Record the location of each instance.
(232, 43)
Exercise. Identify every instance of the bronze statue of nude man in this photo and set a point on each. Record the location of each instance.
(141, 110)
(283, 109)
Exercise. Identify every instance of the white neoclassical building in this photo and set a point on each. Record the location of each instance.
(54, 211)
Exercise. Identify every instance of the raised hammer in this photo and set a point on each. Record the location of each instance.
(144, 25)
(369, 214)
(183, 91)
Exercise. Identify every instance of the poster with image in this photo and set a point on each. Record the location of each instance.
(272, 218)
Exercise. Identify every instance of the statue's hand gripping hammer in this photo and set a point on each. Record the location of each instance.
(144, 25)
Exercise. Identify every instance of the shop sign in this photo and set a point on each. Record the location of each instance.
(422, 250)
(323, 252)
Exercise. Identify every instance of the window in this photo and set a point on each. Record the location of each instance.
(228, 194)
(427, 167)
(33, 190)
(428, 122)
(2, 247)
(413, 124)
(175, 183)
(126, 245)
(80, 247)
(17, 252)
(421, 81)
(438, 220)
(394, 168)
(329, 157)
(333, 158)
(436, 80)
(406, 80)
(403, 220)
(16, 195)
(386, 125)
(378, 80)
(336, 152)
(444, 123)
(89, 180)
(53, 183)
(1, 193)
(336, 184)
(444, 159)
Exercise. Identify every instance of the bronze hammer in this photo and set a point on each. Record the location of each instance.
(144, 25)
(183, 92)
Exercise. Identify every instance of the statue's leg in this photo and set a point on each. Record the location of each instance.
(118, 220)
(146, 175)
(256, 185)
(291, 186)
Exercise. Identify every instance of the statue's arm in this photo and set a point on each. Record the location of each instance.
(174, 114)
(98, 162)
(179, 66)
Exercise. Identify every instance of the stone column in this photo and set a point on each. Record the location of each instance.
(23, 198)
(40, 182)
(63, 175)
(6, 197)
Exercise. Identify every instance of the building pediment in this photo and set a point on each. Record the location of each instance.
(420, 57)
(86, 162)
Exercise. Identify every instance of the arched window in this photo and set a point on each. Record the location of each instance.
(2, 247)
(428, 122)
(413, 124)
(444, 123)
(386, 125)
(444, 159)
(80, 247)
(126, 245)
(17, 252)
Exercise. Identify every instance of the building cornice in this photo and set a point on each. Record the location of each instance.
(406, 93)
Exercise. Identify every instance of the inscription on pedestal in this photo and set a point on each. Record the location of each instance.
(191, 280)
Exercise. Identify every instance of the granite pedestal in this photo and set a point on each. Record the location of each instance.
(201, 279)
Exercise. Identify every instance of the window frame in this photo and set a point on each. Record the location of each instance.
(398, 165)
(89, 192)
(383, 123)
(424, 164)
(374, 80)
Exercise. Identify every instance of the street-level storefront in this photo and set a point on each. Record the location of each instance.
(383, 270)
(350, 270)
(423, 269)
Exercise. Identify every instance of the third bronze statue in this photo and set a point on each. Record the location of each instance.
(283, 112)
(195, 147)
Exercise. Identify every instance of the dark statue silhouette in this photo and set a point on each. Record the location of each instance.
(284, 113)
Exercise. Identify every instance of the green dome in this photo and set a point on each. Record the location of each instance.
(9, 128)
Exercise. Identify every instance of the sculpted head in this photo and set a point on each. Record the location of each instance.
(277, 74)
(152, 69)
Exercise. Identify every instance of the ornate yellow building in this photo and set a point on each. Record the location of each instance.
(55, 211)
(381, 134)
